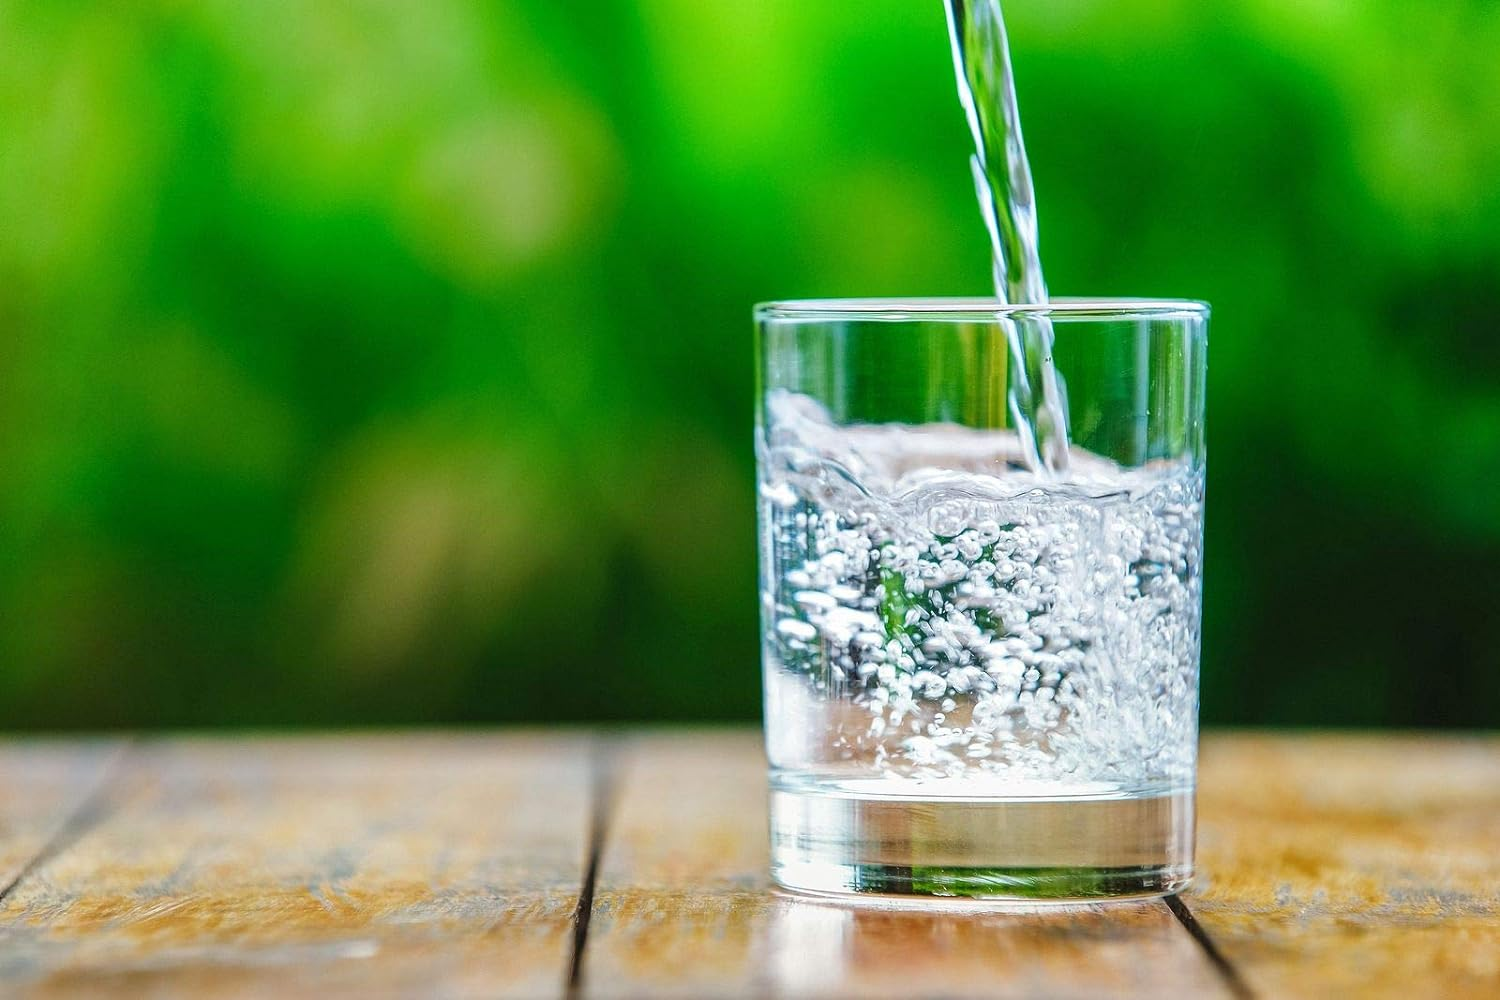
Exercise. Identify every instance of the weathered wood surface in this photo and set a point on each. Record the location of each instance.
(1337, 865)
(452, 865)
(406, 865)
(47, 788)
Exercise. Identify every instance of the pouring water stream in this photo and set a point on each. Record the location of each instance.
(1002, 180)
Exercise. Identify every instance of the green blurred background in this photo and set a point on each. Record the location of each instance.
(381, 362)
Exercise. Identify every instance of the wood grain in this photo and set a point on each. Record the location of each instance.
(450, 865)
(682, 908)
(399, 865)
(1339, 865)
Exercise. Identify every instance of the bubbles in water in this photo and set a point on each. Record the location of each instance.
(973, 618)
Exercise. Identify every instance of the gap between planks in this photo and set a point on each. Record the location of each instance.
(94, 807)
(603, 785)
(1227, 972)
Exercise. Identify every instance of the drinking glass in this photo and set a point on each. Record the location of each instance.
(981, 673)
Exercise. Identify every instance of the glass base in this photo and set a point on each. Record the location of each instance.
(1020, 885)
(1032, 849)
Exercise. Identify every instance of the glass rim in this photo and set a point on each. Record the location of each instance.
(974, 309)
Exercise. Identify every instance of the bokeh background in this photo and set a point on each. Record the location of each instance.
(390, 362)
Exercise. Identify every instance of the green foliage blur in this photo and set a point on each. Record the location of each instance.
(390, 361)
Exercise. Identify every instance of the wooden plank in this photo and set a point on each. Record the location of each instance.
(44, 783)
(683, 908)
(1337, 865)
(406, 864)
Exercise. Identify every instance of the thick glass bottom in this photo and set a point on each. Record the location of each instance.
(1020, 885)
(1023, 849)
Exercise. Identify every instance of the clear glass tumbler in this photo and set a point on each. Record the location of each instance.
(981, 678)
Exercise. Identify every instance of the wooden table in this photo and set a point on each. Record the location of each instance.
(549, 863)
